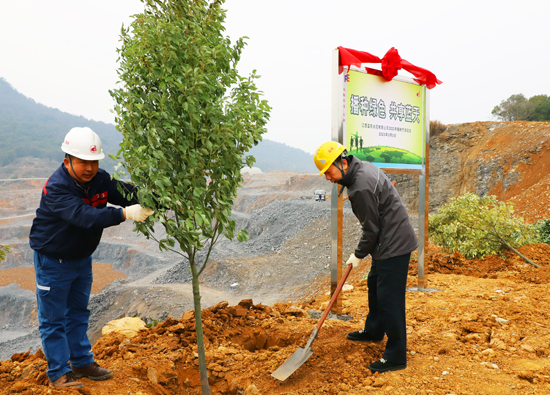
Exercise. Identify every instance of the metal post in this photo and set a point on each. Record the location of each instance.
(334, 238)
(423, 196)
(336, 203)
(421, 228)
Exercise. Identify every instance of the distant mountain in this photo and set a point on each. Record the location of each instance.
(30, 129)
(271, 155)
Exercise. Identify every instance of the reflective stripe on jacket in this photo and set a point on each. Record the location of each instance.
(70, 219)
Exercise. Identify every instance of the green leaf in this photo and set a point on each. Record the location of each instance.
(198, 219)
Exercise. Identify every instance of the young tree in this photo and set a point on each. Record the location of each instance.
(478, 226)
(187, 119)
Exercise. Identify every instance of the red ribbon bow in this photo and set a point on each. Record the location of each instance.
(391, 64)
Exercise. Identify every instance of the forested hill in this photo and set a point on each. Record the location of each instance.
(30, 129)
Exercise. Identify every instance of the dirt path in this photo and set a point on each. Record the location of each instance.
(25, 278)
(209, 295)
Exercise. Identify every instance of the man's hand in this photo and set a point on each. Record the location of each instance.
(353, 260)
(137, 213)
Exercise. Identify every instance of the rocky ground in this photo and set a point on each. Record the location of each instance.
(482, 328)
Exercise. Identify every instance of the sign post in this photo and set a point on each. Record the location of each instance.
(336, 199)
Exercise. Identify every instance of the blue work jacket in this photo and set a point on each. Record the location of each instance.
(71, 217)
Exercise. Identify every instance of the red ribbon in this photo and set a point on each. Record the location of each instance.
(391, 64)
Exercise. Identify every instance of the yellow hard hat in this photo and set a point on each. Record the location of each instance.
(326, 154)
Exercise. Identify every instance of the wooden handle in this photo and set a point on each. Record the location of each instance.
(334, 297)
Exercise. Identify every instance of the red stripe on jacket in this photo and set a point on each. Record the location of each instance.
(45, 190)
(97, 199)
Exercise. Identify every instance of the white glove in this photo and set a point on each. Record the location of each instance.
(353, 260)
(138, 213)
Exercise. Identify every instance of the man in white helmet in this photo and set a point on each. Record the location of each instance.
(67, 229)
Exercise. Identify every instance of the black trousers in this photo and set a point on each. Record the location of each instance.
(387, 283)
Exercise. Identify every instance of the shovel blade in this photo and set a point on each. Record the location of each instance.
(293, 363)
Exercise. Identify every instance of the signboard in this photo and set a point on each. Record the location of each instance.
(384, 121)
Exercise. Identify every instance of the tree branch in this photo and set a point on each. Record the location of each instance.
(212, 243)
(168, 248)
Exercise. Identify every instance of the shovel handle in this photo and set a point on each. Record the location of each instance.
(334, 297)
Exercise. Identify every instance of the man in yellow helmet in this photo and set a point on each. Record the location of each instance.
(388, 237)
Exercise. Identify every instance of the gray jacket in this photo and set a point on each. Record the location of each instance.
(387, 231)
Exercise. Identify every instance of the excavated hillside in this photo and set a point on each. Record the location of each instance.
(508, 159)
(481, 329)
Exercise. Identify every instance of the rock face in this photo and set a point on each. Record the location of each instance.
(17, 308)
(504, 159)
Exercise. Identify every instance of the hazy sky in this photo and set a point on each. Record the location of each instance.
(62, 53)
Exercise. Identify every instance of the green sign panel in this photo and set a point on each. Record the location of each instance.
(384, 120)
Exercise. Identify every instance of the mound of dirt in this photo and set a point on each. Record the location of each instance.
(491, 266)
(481, 331)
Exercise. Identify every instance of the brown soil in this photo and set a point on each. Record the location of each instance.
(24, 276)
(483, 330)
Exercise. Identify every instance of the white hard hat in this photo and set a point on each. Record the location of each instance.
(83, 143)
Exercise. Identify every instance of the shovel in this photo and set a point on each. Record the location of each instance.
(303, 353)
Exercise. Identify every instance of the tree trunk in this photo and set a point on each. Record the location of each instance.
(517, 252)
(198, 325)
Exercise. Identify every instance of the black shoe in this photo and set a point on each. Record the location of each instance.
(382, 366)
(362, 336)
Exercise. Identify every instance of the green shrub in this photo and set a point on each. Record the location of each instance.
(148, 321)
(543, 229)
(479, 226)
(3, 250)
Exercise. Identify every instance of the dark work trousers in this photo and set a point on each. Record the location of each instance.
(387, 283)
